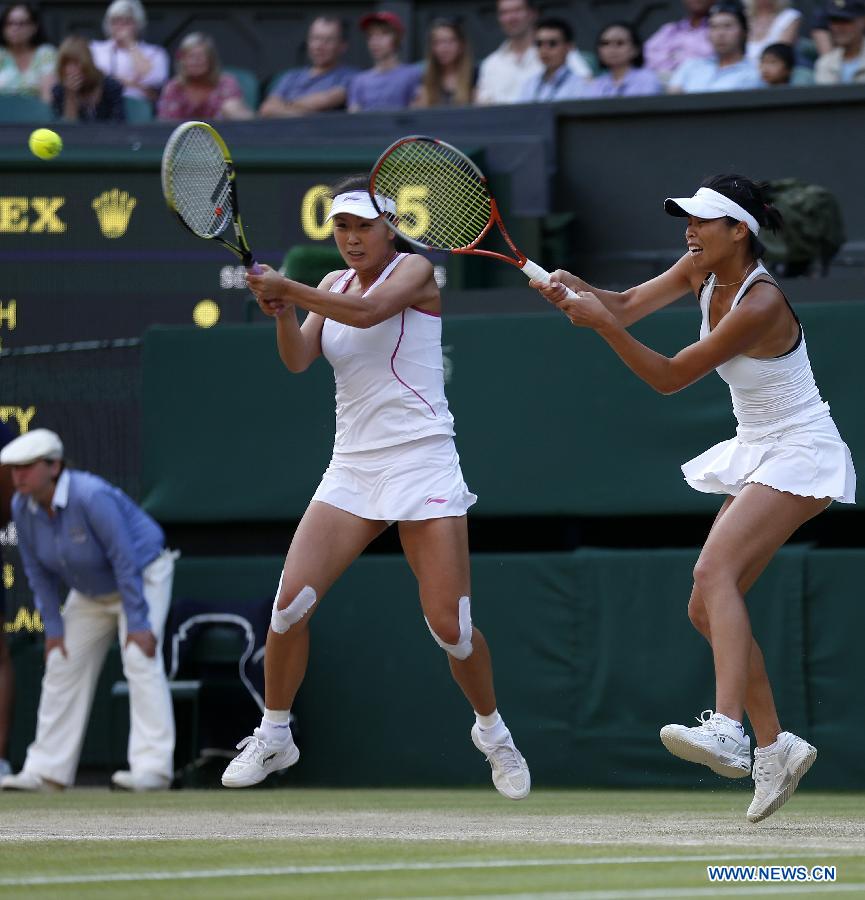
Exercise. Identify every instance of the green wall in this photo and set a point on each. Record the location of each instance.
(593, 653)
(548, 420)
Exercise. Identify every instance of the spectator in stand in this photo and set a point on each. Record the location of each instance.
(141, 68)
(82, 92)
(676, 42)
(200, 90)
(503, 73)
(770, 22)
(820, 34)
(449, 73)
(554, 39)
(776, 65)
(322, 85)
(727, 70)
(845, 64)
(620, 55)
(389, 84)
(27, 60)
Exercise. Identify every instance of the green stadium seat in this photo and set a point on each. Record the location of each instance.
(206, 678)
(138, 110)
(248, 81)
(591, 59)
(802, 76)
(309, 263)
(21, 108)
(806, 51)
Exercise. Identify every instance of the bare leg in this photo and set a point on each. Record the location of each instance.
(744, 538)
(326, 542)
(438, 552)
(759, 702)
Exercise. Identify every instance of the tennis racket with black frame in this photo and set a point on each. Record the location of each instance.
(200, 188)
(442, 201)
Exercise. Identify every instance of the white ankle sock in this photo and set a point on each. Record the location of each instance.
(490, 722)
(769, 748)
(274, 724)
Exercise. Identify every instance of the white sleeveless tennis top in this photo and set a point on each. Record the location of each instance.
(389, 378)
(768, 394)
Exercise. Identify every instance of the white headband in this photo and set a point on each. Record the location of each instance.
(358, 203)
(709, 204)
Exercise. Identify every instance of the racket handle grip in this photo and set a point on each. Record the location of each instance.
(255, 268)
(533, 270)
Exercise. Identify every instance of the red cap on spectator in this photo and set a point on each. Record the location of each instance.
(392, 20)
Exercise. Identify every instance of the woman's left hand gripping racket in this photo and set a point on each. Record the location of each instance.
(198, 182)
(436, 198)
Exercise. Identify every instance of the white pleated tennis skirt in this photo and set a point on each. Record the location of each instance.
(409, 482)
(809, 460)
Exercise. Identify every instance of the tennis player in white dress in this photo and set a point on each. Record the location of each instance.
(378, 323)
(785, 465)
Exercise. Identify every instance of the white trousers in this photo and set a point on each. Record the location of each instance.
(69, 683)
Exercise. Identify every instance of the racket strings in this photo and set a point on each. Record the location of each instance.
(199, 182)
(457, 201)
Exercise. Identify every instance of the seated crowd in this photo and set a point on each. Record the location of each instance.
(718, 46)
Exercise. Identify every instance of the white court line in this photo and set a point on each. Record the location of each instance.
(663, 893)
(249, 872)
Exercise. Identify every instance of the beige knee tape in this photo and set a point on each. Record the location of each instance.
(462, 649)
(282, 619)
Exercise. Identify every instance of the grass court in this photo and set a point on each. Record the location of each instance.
(305, 843)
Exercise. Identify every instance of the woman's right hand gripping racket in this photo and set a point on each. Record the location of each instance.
(435, 197)
(198, 182)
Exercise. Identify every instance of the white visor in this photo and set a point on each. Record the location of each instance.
(709, 204)
(358, 203)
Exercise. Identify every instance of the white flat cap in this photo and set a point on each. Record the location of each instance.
(32, 446)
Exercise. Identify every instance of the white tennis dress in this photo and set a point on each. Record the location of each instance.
(394, 457)
(785, 438)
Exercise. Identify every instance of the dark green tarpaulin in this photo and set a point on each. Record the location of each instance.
(548, 420)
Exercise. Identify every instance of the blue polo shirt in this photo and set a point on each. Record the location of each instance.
(98, 542)
(299, 82)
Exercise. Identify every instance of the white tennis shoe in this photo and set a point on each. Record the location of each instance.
(717, 742)
(124, 780)
(777, 774)
(27, 781)
(510, 772)
(259, 758)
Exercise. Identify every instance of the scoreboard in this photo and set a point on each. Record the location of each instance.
(91, 252)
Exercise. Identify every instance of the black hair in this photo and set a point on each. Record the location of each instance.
(38, 36)
(360, 182)
(753, 197)
(555, 24)
(784, 52)
(638, 61)
(735, 9)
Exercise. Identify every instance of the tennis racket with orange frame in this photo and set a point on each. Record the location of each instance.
(442, 201)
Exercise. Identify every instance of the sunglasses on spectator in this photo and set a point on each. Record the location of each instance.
(548, 42)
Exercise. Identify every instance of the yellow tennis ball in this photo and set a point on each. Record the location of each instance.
(45, 143)
(206, 313)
